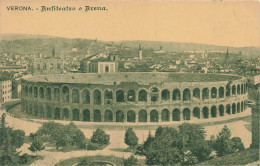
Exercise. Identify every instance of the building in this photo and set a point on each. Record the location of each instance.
(5, 90)
(100, 63)
(48, 65)
(140, 53)
(134, 97)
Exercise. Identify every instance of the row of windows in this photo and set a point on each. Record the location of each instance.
(4, 92)
(130, 96)
(142, 115)
(5, 86)
(44, 67)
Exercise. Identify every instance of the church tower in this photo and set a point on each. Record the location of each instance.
(227, 55)
(53, 53)
(140, 53)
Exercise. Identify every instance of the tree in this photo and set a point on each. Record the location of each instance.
(237, 144)
(37, 145)
(131, 161)
(223, 142)
(100, 137)
(17, 138)
(131, 138)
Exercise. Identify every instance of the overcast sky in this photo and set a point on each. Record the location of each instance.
(208, 22)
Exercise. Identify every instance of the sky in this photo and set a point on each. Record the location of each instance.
(226, 23)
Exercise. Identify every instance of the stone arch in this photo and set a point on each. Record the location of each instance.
(75, 114)
(120, 116)
(108, 96)
(228, 90)
(75, 96)
(108, 116)
(238, 89)
(214, 92)
(41, 93)
(165, 95)
(205, 112)
(131, 116)
(48, 93)
(234, 108)
(234, 90)
(196, 112)
(30, 91)
(228, 109)
(196, 93)
(242, 106)
(66, 94)
(142, 116)
(35, 90)
(97, 116)
(86, 115)
(154, 93)
(176, 94)
(165, 115)
(26, 90)
(176, 115)
(205, 93)
(186, 114)
(221, 110)
(86, 96)
(213, 111)
(57, 113)
(221, 92)
(242, 88)
(154, 116)
(142, 95)
(66, 113)
(41, 111)
(48, 112)
(186, 94)
(238, 107)
(131, 95)
(120, 96)
(97, 97)
(56, 94)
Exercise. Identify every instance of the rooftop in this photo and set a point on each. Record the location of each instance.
(140, 77)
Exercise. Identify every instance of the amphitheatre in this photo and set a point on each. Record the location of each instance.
(134, 97)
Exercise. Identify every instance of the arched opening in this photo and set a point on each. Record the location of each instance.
(142, 116)
(213, 111)
(51, 66)
(221, 110)
(238, 107)
(35, 90)
(165, 115)
(108, 116)
(238, 89)
(97, 116)
(86, 115)
(97, 97)
(44, 66)
(154, 92)
(131, 116)
(165, 95)
(242, 106)
(176, 115)
(75, 96)
(186, 114)
(196, 93)
(154, 116)
(142, 95)
(75, 114)
(221, 92)
(205, 112)
(86, 96)
(120, 116)
(242, 88)
(228, 90)
(48, 93)
(196, 112)
(58, 65)
(30, 109)
(26, 90)
(35, 109)
(120, 97)
(228, 109)
(131, 96)
(57, 113)
(205, 93)
(234, 90)
(41, 93)
(30, 91)
(66, 113)
(66, 94)
(213, 92)
(49, 113)
(106, 69)
(186, 95)
(108, 97)
(41, 111)
(234, 108)
(56, 94)
(176, 94)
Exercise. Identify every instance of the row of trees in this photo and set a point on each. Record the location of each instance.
(186, 145)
